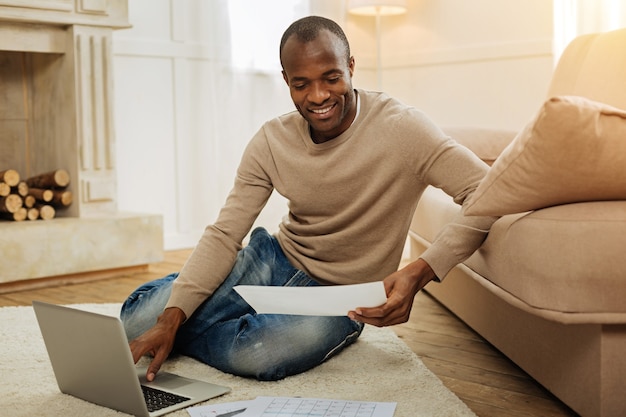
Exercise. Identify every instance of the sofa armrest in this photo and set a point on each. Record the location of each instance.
(487, 144)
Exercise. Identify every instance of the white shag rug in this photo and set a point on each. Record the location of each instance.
(378, 367)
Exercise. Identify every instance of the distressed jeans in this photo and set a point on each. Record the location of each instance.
(226, 333)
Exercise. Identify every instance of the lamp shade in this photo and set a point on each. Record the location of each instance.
(377, 7)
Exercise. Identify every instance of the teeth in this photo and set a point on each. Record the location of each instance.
(322, 111)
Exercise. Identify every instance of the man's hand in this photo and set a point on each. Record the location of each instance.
(401, 288)
(159, 340)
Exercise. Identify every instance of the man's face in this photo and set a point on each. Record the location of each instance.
(320, 83)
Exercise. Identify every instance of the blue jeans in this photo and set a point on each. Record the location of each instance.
(226, 333)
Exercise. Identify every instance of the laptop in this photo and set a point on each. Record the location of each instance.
(91, 360)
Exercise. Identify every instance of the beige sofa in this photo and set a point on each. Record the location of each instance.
(548, 286)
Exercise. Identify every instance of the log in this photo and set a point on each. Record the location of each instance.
(19, 215)
(21, 188)
(29, 201)
(11, 203)
(10, 176)
(5, 189)
(59, 178)
(61, 198)
(46, 211)
(42, 194)
(32, 213)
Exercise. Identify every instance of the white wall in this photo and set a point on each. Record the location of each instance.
(183, 118)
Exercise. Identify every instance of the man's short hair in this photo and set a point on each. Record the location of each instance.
(307, 29)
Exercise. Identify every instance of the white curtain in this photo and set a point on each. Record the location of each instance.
(600, 15)
(256, 28)
(249, 85)
(576, 17)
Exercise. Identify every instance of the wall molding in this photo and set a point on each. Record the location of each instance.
(161, 49)
(415, 58)
(497, 51)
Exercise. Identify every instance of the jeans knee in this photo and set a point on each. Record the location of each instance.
(142, 308)
(250, 354)
(252, 362)
(263, 370)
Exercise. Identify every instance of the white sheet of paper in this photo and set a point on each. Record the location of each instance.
(331, 300)
(315, 407)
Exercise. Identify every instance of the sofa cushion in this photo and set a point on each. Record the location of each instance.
(566, 259)
(574, 150)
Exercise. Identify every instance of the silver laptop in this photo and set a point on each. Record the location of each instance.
(91, 360)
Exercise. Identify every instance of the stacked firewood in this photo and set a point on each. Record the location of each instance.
(37, 197)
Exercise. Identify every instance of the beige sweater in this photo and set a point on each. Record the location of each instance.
(351, 199)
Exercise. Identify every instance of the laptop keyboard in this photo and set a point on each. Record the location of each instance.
(157, 399)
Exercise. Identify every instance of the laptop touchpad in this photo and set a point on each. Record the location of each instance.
(170, 381)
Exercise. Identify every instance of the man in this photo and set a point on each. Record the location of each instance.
(352, 165)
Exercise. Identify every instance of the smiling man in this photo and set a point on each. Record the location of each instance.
(318, 70)
(352, 165)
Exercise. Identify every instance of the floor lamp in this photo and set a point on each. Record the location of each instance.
(377, 8)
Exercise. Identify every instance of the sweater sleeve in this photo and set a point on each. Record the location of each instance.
(214, 256)
(457, 171)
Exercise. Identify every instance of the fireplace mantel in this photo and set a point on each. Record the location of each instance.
(56, 58)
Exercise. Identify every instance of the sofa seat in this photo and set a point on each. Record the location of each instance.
(574, 282)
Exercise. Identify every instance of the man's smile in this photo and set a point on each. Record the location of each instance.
(324, 111)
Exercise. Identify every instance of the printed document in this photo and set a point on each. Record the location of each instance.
(296, 407)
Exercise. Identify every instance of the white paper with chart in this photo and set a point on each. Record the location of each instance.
(306, 407)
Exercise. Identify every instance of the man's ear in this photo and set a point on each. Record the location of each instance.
(350, 65)
(285, 76)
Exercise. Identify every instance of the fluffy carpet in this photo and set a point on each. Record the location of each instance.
(379, 367)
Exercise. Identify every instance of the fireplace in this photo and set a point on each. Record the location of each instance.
(56, 113)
